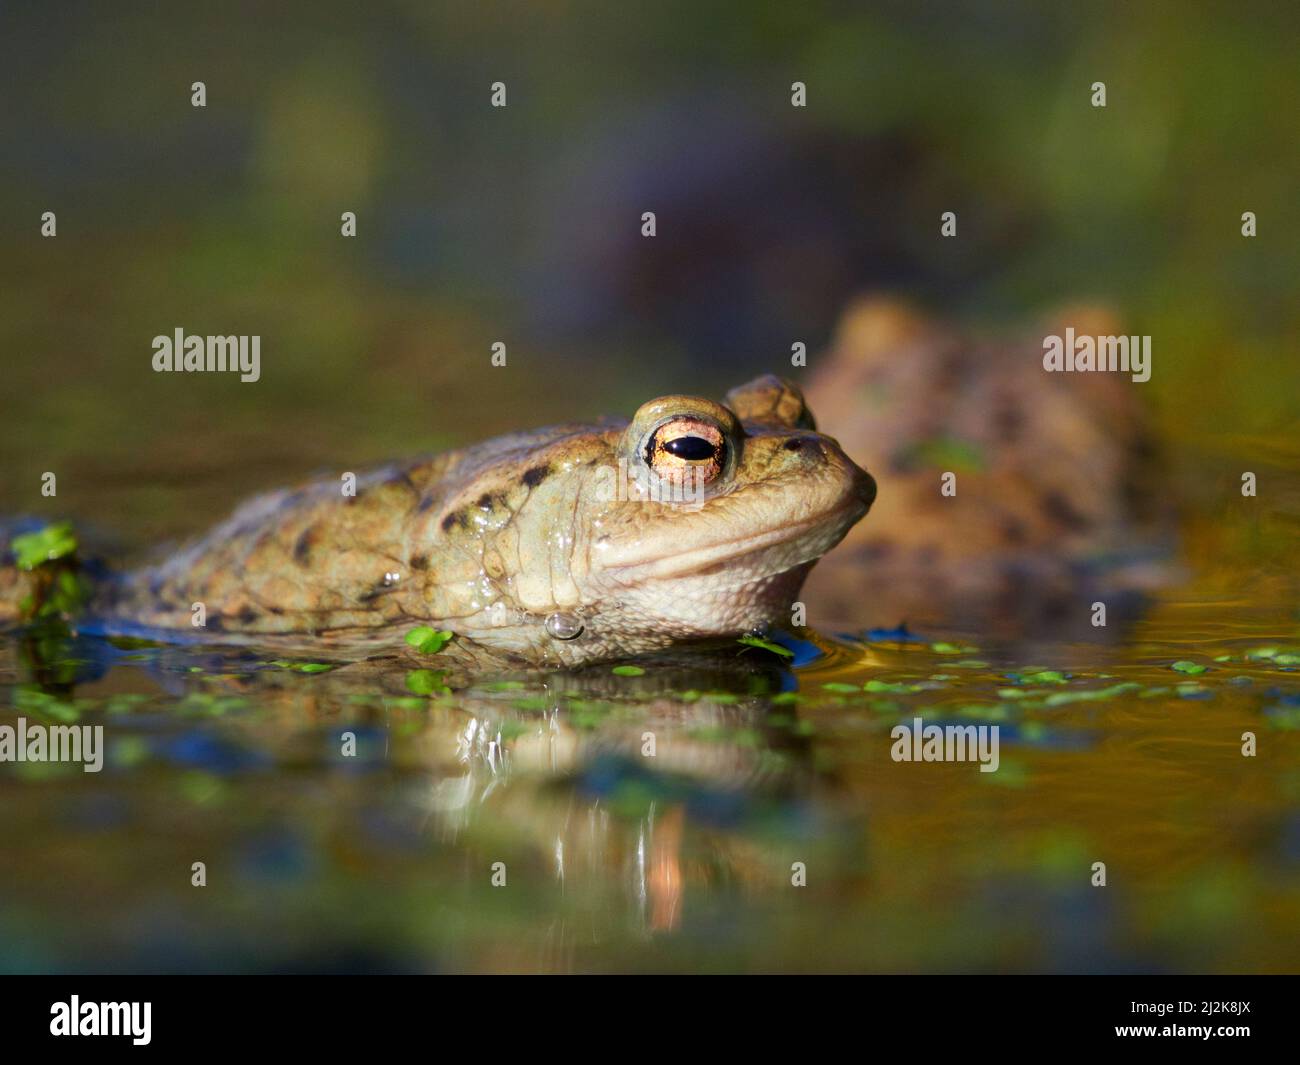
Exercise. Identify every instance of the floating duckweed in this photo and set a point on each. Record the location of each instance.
(1045, 676)
(211, 705)
(1286, 659)
(44, 545)
(429, 641)
(426, 682)
(766, 645)
(511, 730)
(505, 686)
(840, 686)
(1283, 717)
(125, 702)
(303, 667)
(972, 663)
(951, 648)
(34, 701)
(985, 711)
(628, 671)
(1063, 698)
(201, 788)
(128, 751)
(785, 698)
(885, 686)
(1183, 666)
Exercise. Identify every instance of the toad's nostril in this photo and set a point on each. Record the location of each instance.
(809, 444)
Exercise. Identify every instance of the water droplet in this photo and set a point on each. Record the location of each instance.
(391, 578)
(564, 626)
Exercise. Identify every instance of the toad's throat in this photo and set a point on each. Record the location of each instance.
(710, 557)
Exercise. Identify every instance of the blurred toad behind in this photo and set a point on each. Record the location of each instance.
(1058, 498)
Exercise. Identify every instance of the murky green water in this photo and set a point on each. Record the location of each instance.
(613, 860)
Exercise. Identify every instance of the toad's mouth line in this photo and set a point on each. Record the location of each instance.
(712, 556)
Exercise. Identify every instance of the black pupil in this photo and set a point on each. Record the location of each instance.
(690, 448)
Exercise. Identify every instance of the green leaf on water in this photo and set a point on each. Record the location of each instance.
(429, 641)
(1183, 666)
(44, 545)
(628, 671)
(840, 686)
(303, 667)
(766, 645)
(426, 681)
(885, 686)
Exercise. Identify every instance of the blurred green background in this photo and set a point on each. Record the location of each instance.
(522, 224)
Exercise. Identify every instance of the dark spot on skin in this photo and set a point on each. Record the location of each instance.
(303, 545)
(1013, 531)
(424, 504)
(1061, 510)
(456, 517)
(794, 445)
(247, 615)
(532, 478)
(276, 610)
(485, 502)
(419, 562)
(216, 625)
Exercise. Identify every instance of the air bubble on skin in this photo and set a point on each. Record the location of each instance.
(563, 626)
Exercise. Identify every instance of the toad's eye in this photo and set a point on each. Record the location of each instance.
(691, 448)
(687, 444)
